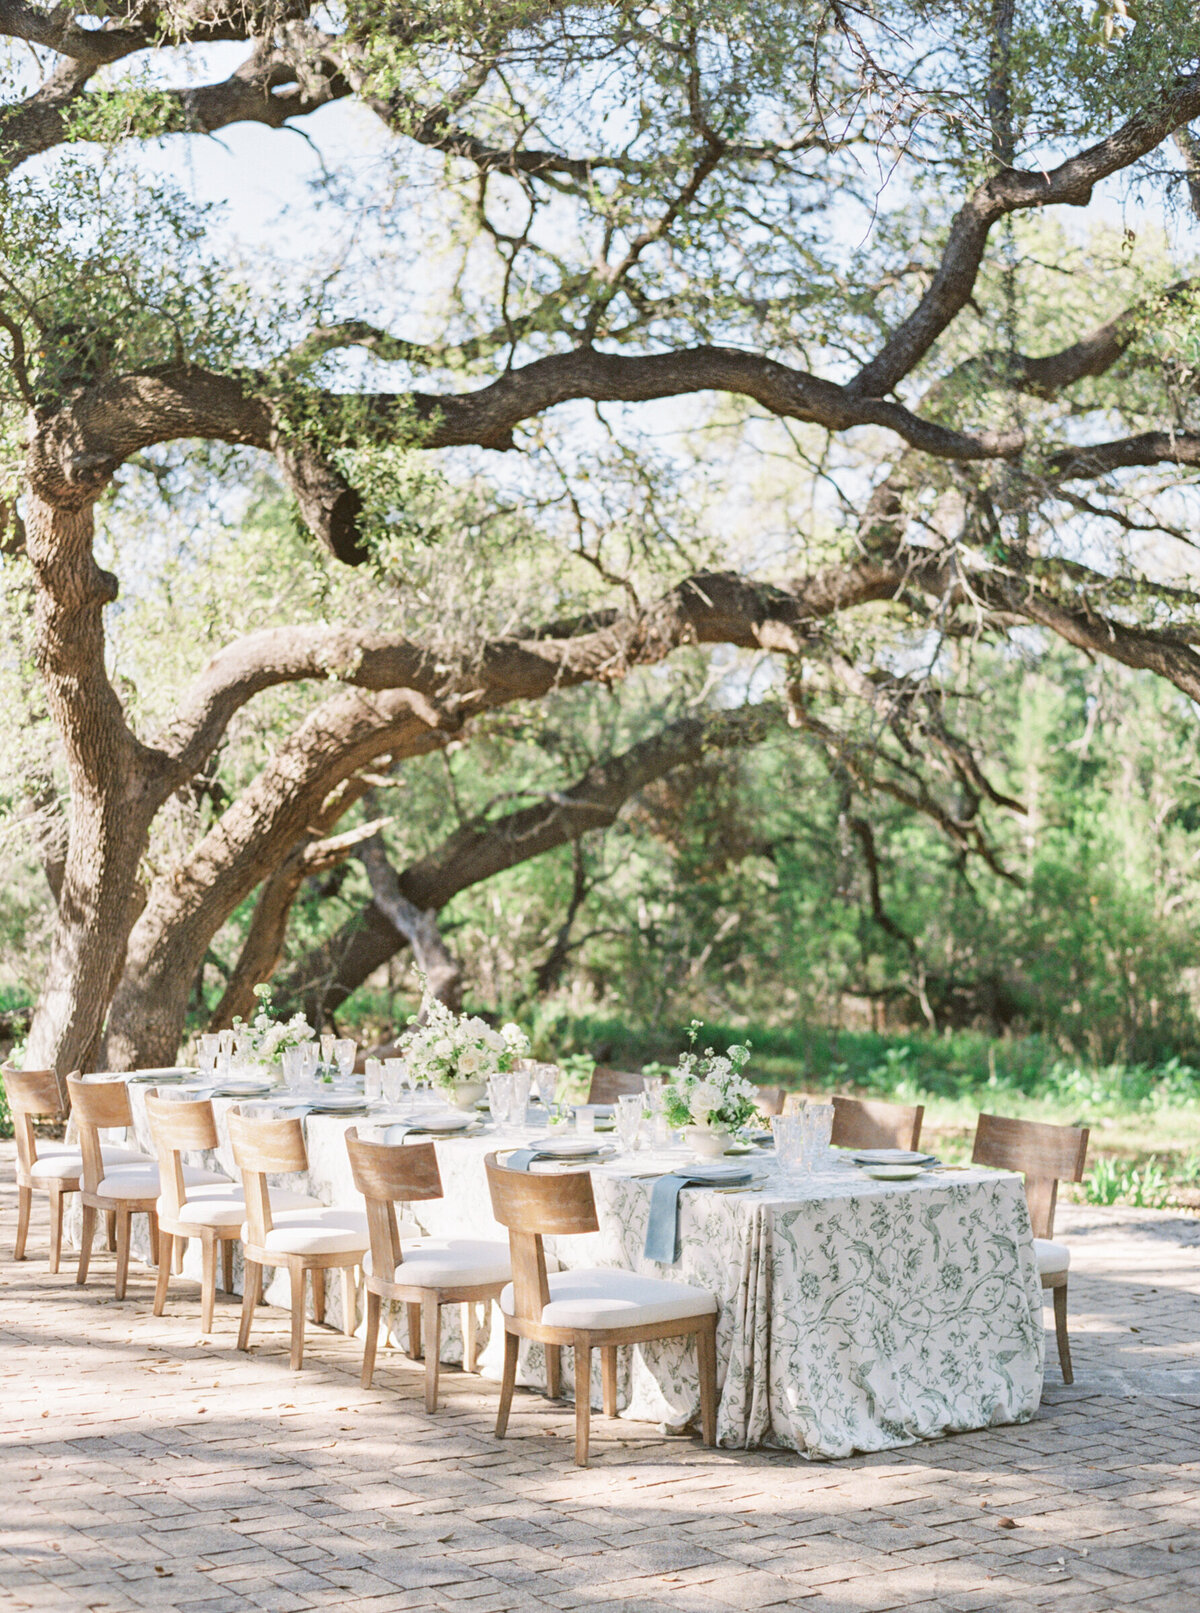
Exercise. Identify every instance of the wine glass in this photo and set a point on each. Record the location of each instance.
(225, 1041)
(312, 1058)
(344, 1050)
(500, 1098)
(327, 1040)
(207, 1047)
(545, 1079)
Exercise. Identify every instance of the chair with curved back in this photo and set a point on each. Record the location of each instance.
(314, 1238)
(1044, 1155)
(212, 1211)
(597, 1308)
(52, 1168)
(869, 1123)
(770, 1100)
(608, 1085)
(430, 1272)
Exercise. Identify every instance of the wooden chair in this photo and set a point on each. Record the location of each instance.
(770, 1100)
(1045, 1155)
(122, 1190)
(867, 1123)
(602, 1307)
(431, 1272)
(51, 1168)
(212, 1211)
(609, 1085)
(316, 1238)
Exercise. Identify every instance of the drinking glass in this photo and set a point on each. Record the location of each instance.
(225, 1041)
(395, 1077)
(373, 1081)
(294, 1071)
(818, 1134)
(585, 1119)
(521, 1081)
(655, 1090)
(344, 1050)
(312, 1057)
(630, 1107)
(208, 1046)
(791, 1135)
(500, 1098)
(327, 1041)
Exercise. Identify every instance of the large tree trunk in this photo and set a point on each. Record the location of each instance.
(115, 790)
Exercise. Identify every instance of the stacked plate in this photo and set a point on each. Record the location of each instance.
(893, 1164)
(567, 1147)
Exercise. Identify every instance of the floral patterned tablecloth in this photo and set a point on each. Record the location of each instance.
(855, 1315)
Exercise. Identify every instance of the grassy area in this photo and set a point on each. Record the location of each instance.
(1145, 1119)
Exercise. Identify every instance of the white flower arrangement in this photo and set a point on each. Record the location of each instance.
(708, 1089)
(449, 1050)
(265, 1038)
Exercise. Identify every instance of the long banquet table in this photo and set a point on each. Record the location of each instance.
(856, 1315)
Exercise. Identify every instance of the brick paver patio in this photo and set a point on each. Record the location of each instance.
(144, 1467)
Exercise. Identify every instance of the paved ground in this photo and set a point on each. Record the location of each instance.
(142, 1467)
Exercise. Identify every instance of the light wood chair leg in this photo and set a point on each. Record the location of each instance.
(508, 1382)
(298, 1275)
(56, 1227)
(413, 1313)
(706, 1361)
(431, 1343)
(349, 1301)
(583, 1402)
(180, 1252)
(110, 1230)
(164, 1274)
(608, 1378)
(227, 1265)
(124, 1226)
(318, 1293)
(1060, 1333)
(251, 1282)
(470, 1337)
(554, 1371)
(371, 1337)
(208, 1279)
(24, 1208)
(87, 1236)
(152, 1226)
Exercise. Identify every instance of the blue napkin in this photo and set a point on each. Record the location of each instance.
(662, 1229)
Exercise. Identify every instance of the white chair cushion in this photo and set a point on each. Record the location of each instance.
(608, 1297)
(323, 1231)
(1052, 1258)
(223, 1205)
(451, 1263)
(141, 1182)
(57, 1160)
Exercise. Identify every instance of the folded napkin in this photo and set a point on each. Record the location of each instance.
(522, 1158)
(662, 1229)
(397, 1131)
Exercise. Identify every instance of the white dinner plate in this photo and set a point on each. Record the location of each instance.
(714, 1171)
(446, 1123)
(565, 1147)
(892, 1173)
(242, 1089)
(890, 1156)
(336, 1102)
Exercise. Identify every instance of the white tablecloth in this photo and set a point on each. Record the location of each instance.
(855, 1315)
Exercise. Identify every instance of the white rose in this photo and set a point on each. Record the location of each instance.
(443, 1048)
(705, 1098)
(469, 1061)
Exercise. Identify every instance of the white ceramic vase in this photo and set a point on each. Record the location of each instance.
(466, 1094)
(707, 1141)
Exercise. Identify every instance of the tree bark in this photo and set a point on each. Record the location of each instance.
(115, 789)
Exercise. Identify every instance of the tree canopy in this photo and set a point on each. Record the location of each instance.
(922, 274)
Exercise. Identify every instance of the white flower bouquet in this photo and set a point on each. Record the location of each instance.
(452, 1050)
(708, 1090)
(265, 1039)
